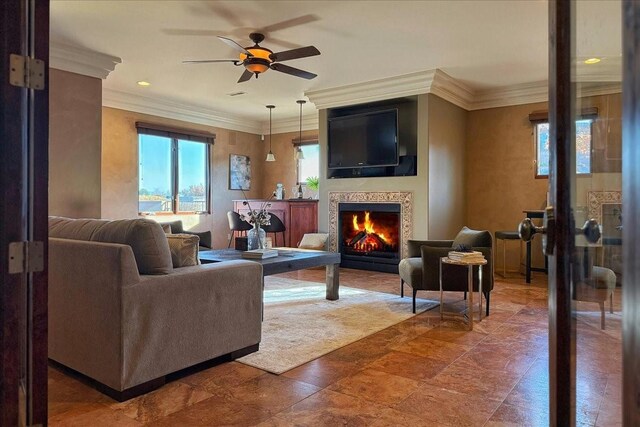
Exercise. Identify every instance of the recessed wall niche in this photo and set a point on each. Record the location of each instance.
(407, 138)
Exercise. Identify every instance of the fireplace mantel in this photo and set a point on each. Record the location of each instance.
(404, 198)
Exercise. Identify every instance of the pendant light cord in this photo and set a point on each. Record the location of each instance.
(270, 135)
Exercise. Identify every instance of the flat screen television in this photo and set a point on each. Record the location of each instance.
(364, 140)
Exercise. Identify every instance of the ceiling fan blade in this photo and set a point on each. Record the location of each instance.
(305, 19)
(245, 76)
(284, 43)
(293, 71)
(234, 45)
(206, 61)
(301, 52)
(188, 32)
(225, 13)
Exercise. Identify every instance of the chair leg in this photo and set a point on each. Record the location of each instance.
(602, 315)
(487, 296)
(401, 288)
(504, 258)
(611, 302)
(230, 239)
(415, 291)
(465, 295)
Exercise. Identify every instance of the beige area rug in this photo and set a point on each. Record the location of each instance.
(301, 325)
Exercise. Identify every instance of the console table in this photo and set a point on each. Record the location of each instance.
(299, 216)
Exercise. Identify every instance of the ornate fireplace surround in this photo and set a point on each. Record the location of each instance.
(404, 198)
(596, 199)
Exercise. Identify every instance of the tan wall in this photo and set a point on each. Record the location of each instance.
(447, 145)
(418, 185)
(500, 168)
(120, 170)
(283, 170)
(75, 103)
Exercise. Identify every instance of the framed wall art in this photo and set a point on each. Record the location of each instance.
(239, 172)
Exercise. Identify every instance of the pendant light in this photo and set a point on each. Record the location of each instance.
(299, 153)
(270, 156)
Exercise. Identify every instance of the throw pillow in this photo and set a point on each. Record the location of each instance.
(316, 241)
(166, 228)
(184, 249)
(473, 238)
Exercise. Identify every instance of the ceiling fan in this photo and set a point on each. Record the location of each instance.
(257, 59)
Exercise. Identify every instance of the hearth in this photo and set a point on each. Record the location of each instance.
(369, 236)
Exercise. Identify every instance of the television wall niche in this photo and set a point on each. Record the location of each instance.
(407, 138)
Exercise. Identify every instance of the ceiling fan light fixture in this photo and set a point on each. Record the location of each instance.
(259, 60)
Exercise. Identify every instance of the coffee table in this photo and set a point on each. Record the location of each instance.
(288, 260)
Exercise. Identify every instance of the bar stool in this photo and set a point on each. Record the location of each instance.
(504, 236)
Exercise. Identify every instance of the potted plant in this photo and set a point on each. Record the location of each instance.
(313, 183)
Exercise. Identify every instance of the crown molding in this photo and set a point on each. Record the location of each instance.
(81, 61)
(436, 82)
(526, 93)
(292, 124)
(439, 83)
(178, 111)
(530, 93)
(452, 90)
(375, 90)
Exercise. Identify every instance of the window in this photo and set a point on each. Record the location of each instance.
(310, 165)
(583, 147)
(173, 173)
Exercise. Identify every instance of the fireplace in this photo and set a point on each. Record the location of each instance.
(369, 236)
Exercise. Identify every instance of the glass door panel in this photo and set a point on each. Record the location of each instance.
(596, 201)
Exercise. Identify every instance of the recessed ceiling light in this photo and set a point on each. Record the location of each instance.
(592, 61)
(143, 83)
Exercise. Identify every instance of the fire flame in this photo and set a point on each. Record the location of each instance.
(367, 226)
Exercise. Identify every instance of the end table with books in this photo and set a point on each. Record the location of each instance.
(469, 260)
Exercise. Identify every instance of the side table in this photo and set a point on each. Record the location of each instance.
(469, 265)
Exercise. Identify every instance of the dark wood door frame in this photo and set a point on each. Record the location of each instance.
(24, 126)
(630, 209)
(561, 327)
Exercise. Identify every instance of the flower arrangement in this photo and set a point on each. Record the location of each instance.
(257, 217)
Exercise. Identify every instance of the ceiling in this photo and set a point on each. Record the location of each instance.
(482, 44)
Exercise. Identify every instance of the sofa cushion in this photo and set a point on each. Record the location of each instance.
(146, 238)
(184, 249)
(410, 270)
(473, 238)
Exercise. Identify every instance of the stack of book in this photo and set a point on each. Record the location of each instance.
(470, 257)
(260, 254)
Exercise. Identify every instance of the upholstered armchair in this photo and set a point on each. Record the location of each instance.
(420, 269)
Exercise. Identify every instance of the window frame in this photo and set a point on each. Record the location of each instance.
(176, 135)
(536, 161)
(298, 143)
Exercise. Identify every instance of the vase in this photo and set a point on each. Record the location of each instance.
(256, 237)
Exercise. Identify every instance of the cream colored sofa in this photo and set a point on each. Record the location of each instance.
(120, 313)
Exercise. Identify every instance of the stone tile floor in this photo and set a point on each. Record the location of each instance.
(419, 372)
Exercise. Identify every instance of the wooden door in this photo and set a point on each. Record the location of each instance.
(23, 211)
